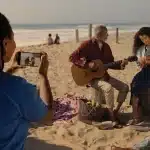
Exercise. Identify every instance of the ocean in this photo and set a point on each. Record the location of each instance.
(32, 34)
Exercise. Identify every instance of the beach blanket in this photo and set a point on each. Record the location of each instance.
(65, 108)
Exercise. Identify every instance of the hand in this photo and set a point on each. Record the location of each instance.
(144, 61)
(14, 59)
(92, 65)
(14, 65)
(123, 64)
(43, 69)
(147, 60)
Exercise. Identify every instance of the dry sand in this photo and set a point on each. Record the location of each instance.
(77, 135)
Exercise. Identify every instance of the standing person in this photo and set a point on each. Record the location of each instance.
(17, 96)
(50, 39)
(57, 39)
(141, 81)
(97, 48)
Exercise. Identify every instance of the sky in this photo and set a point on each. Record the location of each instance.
(76, 11)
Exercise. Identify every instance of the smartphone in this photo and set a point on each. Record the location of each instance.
(28, 59)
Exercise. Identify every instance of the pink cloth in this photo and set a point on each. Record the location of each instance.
(65, 108)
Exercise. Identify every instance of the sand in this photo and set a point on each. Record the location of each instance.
(75, 134)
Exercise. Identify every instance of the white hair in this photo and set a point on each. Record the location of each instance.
(99, 29)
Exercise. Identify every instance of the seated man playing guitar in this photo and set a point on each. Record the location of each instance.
(84, 57)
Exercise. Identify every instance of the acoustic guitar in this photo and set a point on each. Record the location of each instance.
(83, 76)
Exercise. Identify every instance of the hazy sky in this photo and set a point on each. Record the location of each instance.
(76, 11)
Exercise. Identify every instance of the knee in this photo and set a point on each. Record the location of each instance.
(104, 86)
(107, 88)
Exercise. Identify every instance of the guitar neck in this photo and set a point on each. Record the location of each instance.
(130, 59)
(112, 64)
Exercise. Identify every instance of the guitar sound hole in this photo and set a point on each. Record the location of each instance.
(94, 70)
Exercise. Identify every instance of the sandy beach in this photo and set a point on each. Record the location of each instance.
(76, 135)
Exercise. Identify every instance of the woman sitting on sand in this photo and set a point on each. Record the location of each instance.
(57, 39)
(20, 103)
(50, 40)
(140, 83)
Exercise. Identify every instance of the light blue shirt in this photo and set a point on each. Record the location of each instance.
(140, 53)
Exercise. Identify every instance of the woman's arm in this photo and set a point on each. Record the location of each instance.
(13, 69)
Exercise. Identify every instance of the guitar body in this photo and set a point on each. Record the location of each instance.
(84, 76)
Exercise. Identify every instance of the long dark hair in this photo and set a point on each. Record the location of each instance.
(137, 41)
(5, 32)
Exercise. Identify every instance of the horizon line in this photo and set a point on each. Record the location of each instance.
(80, 23)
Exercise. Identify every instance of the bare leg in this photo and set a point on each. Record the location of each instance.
(111, 113)
(119, 104)
(135, 107)
(136, 111)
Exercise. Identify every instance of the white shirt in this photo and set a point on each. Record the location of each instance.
(141, 52)
(100, 44)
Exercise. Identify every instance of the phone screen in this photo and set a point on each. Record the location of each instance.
(29, 59)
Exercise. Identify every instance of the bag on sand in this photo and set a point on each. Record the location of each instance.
(89, 113)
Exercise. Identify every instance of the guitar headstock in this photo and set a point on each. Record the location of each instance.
(132, 58)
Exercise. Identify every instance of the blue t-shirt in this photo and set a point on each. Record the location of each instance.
(19, 105)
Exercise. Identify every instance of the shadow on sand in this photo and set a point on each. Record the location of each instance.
(36, 144)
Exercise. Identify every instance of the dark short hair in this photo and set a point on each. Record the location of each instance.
(50, 34)
(5, 32)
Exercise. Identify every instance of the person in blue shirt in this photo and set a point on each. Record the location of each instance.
(20, 102)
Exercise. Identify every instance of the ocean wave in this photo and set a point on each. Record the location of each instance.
(36, 36)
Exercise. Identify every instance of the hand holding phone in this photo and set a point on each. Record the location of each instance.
(14, 58)
(14, 64)
(43, 69)
(40, 60)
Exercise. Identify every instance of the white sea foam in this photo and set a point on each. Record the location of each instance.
(26, 37)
